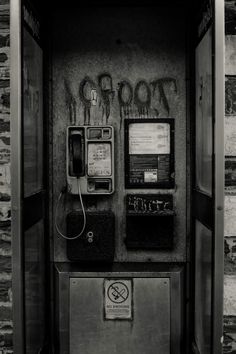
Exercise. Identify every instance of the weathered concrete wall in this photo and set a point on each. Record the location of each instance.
(123, 44)
(230, 188)
(5, 192)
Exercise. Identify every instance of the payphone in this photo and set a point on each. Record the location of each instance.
(90, 157)
(90, 171)
(149, 163)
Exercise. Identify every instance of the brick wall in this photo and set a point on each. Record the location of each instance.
(5, 192)
(230, 178)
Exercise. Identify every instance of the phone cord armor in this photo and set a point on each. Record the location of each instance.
(83, 211)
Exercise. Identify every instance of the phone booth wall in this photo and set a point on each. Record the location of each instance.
(130, 74)
(134, 73)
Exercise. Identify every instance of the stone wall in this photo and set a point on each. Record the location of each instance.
(6, 327)
(230, 179)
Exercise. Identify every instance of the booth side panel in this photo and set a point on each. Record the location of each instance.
(230, 187)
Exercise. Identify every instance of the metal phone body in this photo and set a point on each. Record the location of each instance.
(90, 158)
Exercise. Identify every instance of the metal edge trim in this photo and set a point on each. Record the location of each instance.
(219, 104)
(15, 106)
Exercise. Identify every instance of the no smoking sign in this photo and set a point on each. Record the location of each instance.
(118, 298)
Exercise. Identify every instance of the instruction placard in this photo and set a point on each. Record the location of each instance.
(118, 299)
(99, 159)
(149, 138)
(149, 153)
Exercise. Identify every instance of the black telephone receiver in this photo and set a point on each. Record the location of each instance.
(77, 154)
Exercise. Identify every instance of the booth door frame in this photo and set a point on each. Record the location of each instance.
(208, 210)
(27, 211)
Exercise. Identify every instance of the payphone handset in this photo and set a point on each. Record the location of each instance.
(90, 157)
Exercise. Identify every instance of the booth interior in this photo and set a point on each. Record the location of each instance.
(119, 110)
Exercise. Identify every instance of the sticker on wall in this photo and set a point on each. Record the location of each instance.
(230, 171)
(230, 54)
(229, 295)
(118, 299)
(230, 136)
(230, 95)
(230, 215)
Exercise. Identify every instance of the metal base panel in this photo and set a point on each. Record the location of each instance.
(121, 309)
(147, 332)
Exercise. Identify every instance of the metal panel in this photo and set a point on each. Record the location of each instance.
(34, 287)
(32, 91)
(203, 288)
(15, 98)
(65, 271)
(18, 279)
(210, 243)
(32, 215)
(219, 106)
(203, 209)
(154, 62)
(204, 114)
(148, 332)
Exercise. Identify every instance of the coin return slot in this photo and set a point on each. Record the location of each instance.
(107, 133)
(102, 185)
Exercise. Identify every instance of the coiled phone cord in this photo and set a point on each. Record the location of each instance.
(83, 211)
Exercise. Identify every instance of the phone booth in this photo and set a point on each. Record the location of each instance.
(118, 183)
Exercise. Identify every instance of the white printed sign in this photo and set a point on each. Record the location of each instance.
(230, 54)
(150, 176)
(230, 215)
(230, 136)
(149, 138)
(118, 296)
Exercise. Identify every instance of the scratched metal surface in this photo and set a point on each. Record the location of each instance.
(131, 45)
(203, 283)
(148, 332)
